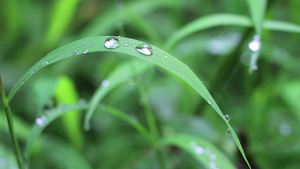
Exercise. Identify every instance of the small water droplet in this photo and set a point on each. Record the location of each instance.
(212, 164)
(178, 71)
(144, 48)
(81, 102)
(227, 117)
(202, 82)
(193, 144)
(285, 129)
(166, 57)
(46, 63)
(126, 43)
(105, 83)
(58, 59)
(254, 45)
(187, 65)
(119, 37)
(85, 51)
(41, 121)
(207, 151)
(209, 102)
(66, 56)
(33, 72)
(228, 132)
(84, 42)
(75, 52)
(134, 45)
(112, 43)
(213, 157)
(22, 82)
(254, 67)
(87, 126)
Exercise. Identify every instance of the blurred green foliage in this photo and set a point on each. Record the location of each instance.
(263, 105)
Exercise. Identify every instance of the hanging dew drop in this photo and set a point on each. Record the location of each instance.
(228, 132)
(87, 126)
(227, 117)
(85, 51)
(112, 43)
(144, 48)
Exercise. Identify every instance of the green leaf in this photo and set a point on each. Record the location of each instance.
(158, 57)
(60, 21)
(119, 75)
(257, 11)
(203, 151)
(281, 26)
(66, 93)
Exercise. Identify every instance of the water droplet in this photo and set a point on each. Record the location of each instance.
(81, 102)
(87, 126)
(213, 157)
(105, 83)
(22, 82)
(199, 150)
(41, 121)
(134, 45)
(84, 42)
(126, 43)
(112, 43)
(66, 56)
(254, 45)
(33, 72)
(75, 52)
(85, 51)
(285, 129)
(193, 144)
(46, 63)
(227, 117)
(178, 71)
(254, 67)
(209, 102)
(166, 57)
(187, 65)
(119, 37)
(228, 132)
(144, 48)
(58, 59)
(212, 164)
(207, 152)
(202, 82)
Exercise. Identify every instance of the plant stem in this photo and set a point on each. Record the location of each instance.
(11, 126)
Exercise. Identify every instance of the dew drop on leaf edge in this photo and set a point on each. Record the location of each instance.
(144, 49)
(228, 132)
(112, 43)
(227, 117)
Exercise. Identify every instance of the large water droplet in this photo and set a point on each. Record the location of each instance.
(112, 43)
(227, 117)
(144, 48)
(254, 45)
(228, 132)
(199, 150)
(41, 121)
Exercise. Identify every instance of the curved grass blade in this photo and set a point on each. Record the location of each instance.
(203, 151)
(51, 115)
(257, 11)
(120, 75)
(205, 23)
(158, 57)
(225, 20)
(138, 7)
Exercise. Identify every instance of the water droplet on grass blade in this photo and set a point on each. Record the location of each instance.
(254, 45)
(94, 43)
(112, 43)
(228, 132)
(105, 83)
(209, 102)
(126, 43)
(254, 67)
(166, 57)
(87, 126)
(85, 51)
(144, 48)
(75, 52)
(84, 42)
(227, 117)
(213, 157)
(41, 121)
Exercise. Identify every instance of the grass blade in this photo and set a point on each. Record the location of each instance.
(158, 57)
(120, 75)
(49, 116)
(257, 11)
(203, 151)
(281, 26)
